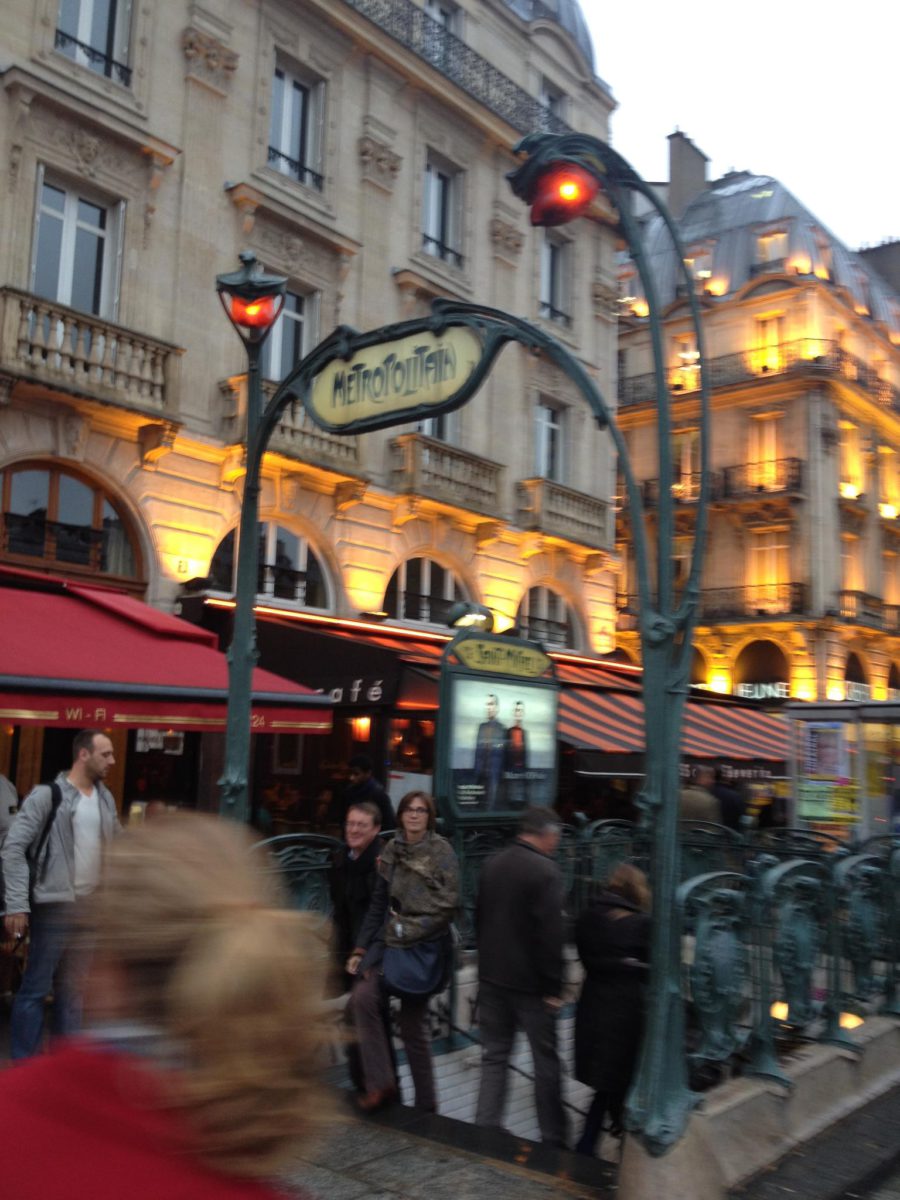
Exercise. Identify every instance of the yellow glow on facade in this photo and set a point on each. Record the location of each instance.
(801, 264)
(861, 310)
(835, 691)
(502, 622)
(821, 272)
(849, 491)
(888, 511)
(779, 1010)
(184, 555)
(804, 692)
(641, 308)
(717, 286)
(850, 1021)
(719, 681)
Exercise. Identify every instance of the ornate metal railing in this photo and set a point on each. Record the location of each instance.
(424, 466)
(300, 171)
(787, 934)
(762, 478)
(90, 56)
(413, 28)
(861, 608)
(295, 436)
(49, 343)
(767, 599)
(551, 508)
(729, 370)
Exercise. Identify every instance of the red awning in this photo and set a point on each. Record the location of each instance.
(75, 655)
(614, 722)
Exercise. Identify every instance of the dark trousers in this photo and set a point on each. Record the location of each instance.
(367, 1005)
(50, 968)
(501, 1012)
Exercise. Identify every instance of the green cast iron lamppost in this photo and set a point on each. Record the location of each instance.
(252, 301)
(559, 179)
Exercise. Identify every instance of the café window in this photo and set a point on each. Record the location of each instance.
(65, 521)
(411, 745)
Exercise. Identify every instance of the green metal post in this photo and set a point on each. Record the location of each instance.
(243, 653)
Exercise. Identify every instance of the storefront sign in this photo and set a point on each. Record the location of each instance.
(416, 374)
(776, 690)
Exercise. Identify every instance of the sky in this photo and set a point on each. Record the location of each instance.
(805, 92)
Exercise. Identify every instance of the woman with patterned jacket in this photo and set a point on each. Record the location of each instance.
(415, 900)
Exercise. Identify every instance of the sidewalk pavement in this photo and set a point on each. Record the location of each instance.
(402, 1153)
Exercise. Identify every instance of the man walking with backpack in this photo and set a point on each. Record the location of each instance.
(51, 859)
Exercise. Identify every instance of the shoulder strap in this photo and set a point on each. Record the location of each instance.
(55, 801)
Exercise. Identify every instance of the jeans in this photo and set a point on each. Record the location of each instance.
(501, 1011)
(48, 969)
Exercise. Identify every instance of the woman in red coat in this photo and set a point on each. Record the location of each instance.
(199, 1075)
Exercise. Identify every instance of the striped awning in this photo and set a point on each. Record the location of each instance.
(613, 721)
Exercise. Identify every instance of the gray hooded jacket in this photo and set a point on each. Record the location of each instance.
(54, 883)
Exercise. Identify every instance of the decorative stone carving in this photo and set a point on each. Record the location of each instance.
(22, 98)
(347, 493)
(380, 165)
(487, 532)
(233, 467)
(156, 440)
(604, 298)
(406, 510)
(72, 435)
(594, 563)
(210, 62)
(506, 237)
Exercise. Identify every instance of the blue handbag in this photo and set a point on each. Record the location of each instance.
(417, 971)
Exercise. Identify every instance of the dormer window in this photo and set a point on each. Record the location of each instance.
(771, 248)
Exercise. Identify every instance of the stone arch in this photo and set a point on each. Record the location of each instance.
(699, 667)
(323, 553)
(762, 669)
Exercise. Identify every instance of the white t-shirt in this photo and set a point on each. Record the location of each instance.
(86, 828)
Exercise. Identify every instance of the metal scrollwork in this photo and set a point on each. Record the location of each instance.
(719, 971)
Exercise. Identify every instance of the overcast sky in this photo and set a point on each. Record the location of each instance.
(806, 92)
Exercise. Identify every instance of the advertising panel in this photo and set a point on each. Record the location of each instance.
(827, 794)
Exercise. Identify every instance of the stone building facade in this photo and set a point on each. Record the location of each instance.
(359, 148)
(801, 585)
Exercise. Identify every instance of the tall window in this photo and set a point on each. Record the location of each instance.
(686, 464)
(768, 337)
(555, 282)
(763, 453)
(292, 336)
(442, 428)
(769, 571)
(686, 363)
(295, 127)
(549, 441)
(422, 590)
(553, 104)
(439, 33)
(851, 564)
(287, 568)
(96, 33)
(441, 212)
(545, 616)
(76, 249)
(52, 515)
(852, 482)
(888, 482)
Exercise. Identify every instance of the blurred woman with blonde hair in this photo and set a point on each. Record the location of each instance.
(199, 1074)
(613, 940)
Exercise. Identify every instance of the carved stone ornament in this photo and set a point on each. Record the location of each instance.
(347, 493)
(156, 440)
(380, 165)
(73, 431)
(505, 236)
(209, 61)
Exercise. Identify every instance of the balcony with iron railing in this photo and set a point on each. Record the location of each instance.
(730, 370)
(551, 508)
(413, 28)
(48, 343)
(295, 435)
(733, 604)
(781, 475)
(861, 608)
(685, 489)
(428, 467)
(90, 56)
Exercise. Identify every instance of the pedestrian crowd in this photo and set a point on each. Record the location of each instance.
(203, 1018)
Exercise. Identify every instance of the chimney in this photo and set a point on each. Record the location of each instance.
(687, 173)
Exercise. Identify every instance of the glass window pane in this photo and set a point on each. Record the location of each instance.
(26, 518)
(316, 595)
(87, 273)
(49, 254)
(76, 502)
(91, 214)
(116, 552)
(101, 21)
(222, 567)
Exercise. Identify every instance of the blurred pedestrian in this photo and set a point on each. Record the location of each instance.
(364, 786)
(696, 802)
(521, 938)
(613, 940)
(731, 802)
(200, 1068)
(415, 901)
(63, 827)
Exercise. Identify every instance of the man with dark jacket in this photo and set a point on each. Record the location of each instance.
(520, 928)
(352, 880)
(67, 871)
(364, 786)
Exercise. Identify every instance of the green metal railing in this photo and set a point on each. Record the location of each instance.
(784, 932)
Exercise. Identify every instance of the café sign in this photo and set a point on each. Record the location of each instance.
(410, 376)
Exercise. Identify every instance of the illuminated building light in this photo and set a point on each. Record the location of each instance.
(361, 728)
(804, 692)
(835, 691)
(779, 1010)
(641, 308)
(851, 1021)
(801, 264)
(861, 310)
(849, 491)
(719, 682)
(888, 511)
(716, 287)
(821, 272)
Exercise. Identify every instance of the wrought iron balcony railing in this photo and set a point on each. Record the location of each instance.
(295, 436)
(91, 57)
(49, 343)
(302, 172)
(551, 508)
(685, 489)
(413, 28)
(861, 608)
(753, 479)
(730, 370)
(424, 466)
(736, 603)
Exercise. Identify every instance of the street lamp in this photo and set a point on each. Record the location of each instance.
(560, 178)
(253, 302)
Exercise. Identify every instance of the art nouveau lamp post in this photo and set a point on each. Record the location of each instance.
(560, 179)
(252, 301)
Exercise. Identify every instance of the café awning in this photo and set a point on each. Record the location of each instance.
(612, 721)
(76, 655)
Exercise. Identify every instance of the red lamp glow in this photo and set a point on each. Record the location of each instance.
(563, 193)
(254, 314)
